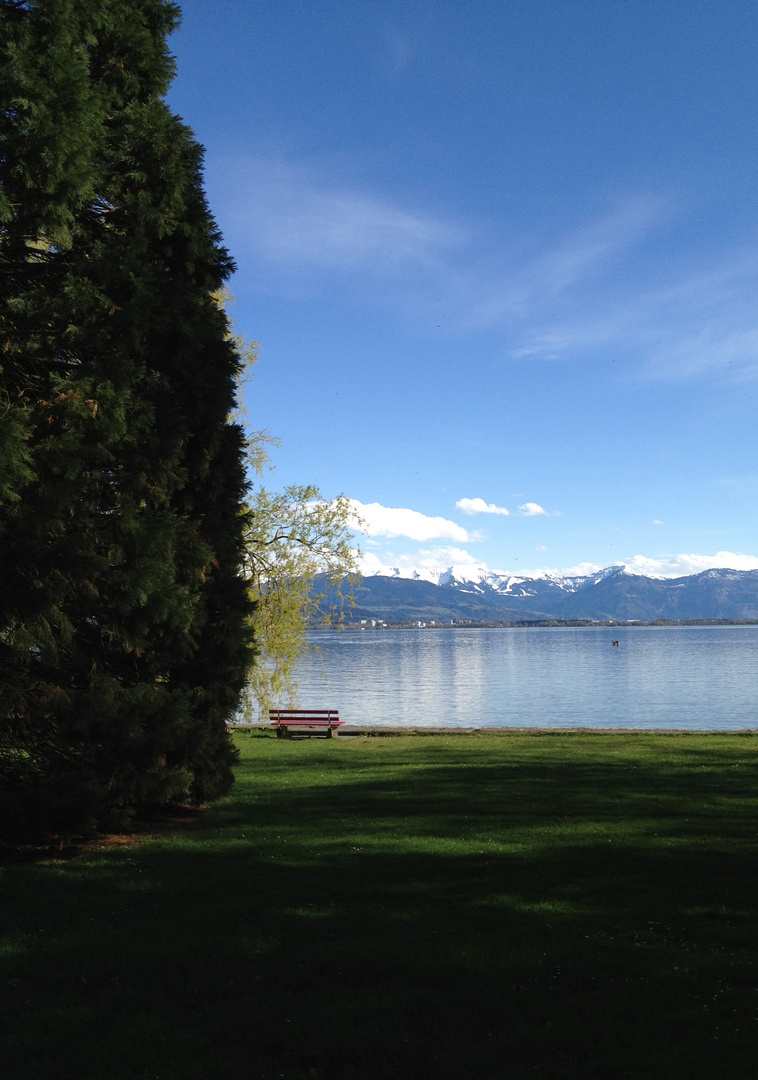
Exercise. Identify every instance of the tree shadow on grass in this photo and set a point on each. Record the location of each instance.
(452, 921)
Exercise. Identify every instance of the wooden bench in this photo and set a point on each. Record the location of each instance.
(304, 723)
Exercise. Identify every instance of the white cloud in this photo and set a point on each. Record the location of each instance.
(370, 563)
(479, 506)
(531, 509)
(439, 558)
(683, 565)
(429, 562)
(657, 522)
(541, 548)
(447, 556)
(667, 566)
(396, 521)
(578, 570)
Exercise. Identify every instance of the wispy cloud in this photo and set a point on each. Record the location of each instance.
(298, 219)
(532, 509)
(399, 49)
(580, 292)
(479, 506)
(696, 322)
(568, 264)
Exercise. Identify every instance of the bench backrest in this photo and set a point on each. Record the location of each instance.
(304, 716)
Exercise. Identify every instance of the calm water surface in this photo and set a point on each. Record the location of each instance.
(658, 677)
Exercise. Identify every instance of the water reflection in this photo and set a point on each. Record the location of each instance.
(659, 677)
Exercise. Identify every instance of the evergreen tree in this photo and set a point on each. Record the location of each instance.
(124, 619)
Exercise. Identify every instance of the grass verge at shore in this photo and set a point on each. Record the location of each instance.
(457, 907)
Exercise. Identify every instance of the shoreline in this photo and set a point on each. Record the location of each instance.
(365, 730)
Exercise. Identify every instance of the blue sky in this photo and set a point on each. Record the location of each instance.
(499, 256)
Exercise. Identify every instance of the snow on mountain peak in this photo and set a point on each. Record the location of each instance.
(479, 578)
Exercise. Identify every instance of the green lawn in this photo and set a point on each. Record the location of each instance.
(453, 907)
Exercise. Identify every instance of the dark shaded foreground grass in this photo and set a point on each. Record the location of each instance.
(451, 907)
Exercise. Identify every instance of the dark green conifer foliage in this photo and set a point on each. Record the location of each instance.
(124, 618)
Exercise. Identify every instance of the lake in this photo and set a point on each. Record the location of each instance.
(699, 678)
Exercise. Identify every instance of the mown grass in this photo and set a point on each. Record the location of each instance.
(463, 908)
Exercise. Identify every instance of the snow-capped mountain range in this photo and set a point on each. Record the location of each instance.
(471, 593)
(481, 579)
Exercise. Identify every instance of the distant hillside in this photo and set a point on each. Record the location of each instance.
(398, 600)
(610, 594)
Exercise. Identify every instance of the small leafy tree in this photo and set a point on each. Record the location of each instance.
(297, 545)
(294, 540)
